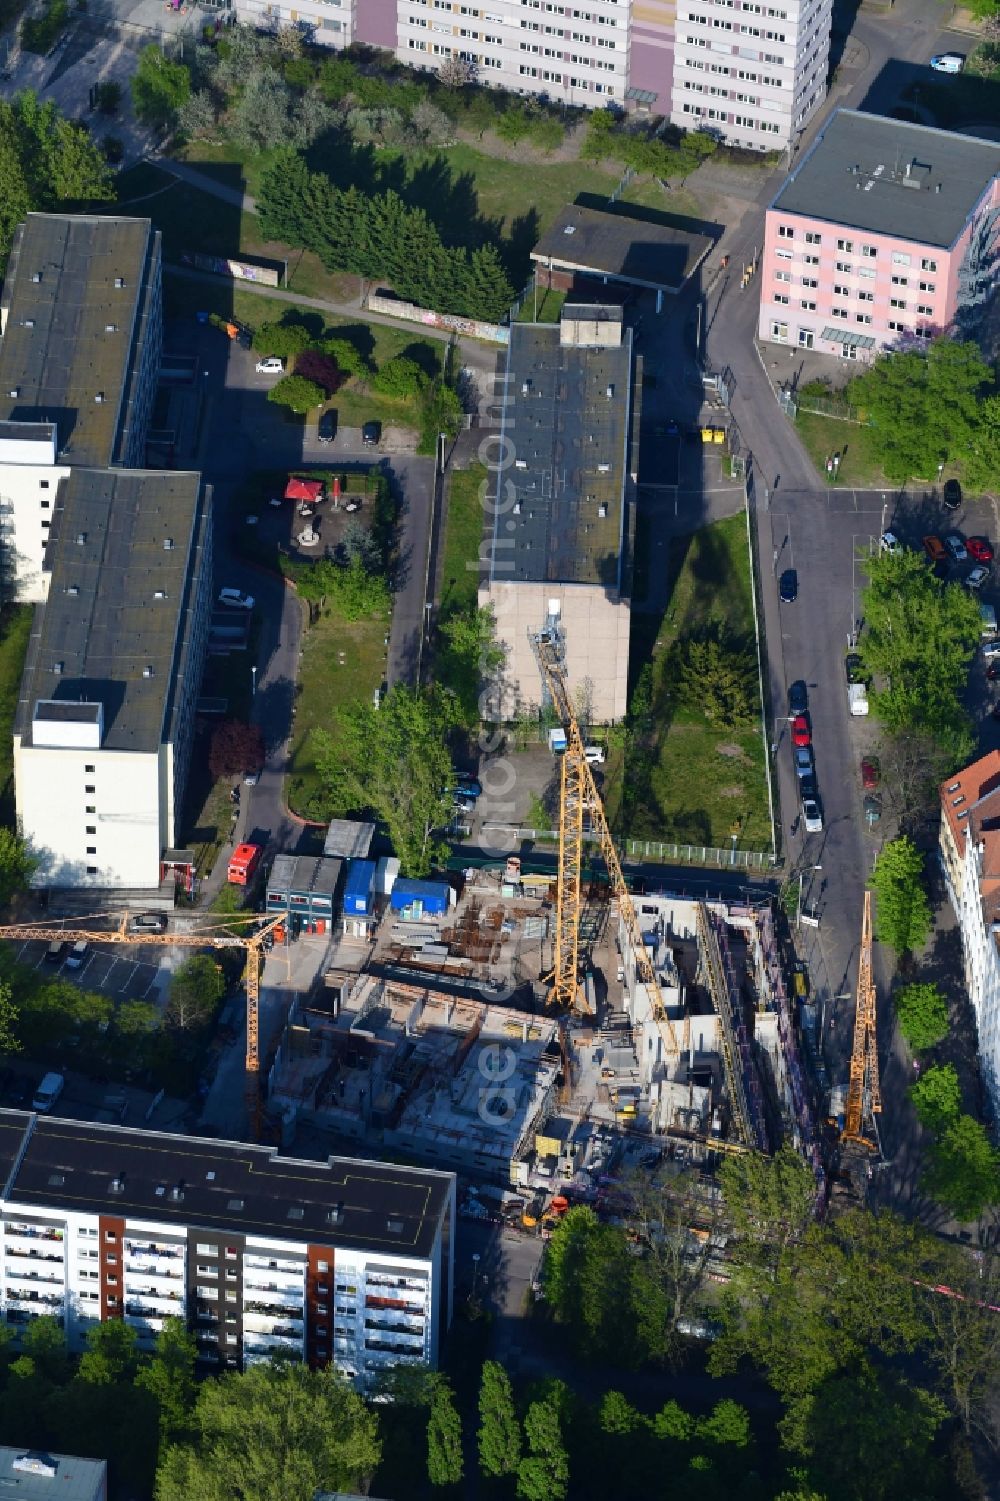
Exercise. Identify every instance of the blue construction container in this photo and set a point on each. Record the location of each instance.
(429, 898)
(358, 887)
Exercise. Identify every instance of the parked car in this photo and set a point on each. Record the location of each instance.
(77, 954)
(991, 650)
(870, 772)
(812, 815)
(955, 543)
(468, 786)
(980, 548)
(463, 804)
(872, 809)
(948, 62)
(54, 952)
(889, 542)
(270, 366)
(371, 434)
(801, 731)
(327, 430)
(788, 586)
(798, 697)
(235, 599)
(952, 494)
(594, 754)
(805, 763)
(251, 778)
(977, 577)
(935, 549)
(808, 786)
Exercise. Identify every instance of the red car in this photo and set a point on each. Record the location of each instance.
(801, 732)
(980, 548)
(869, 773)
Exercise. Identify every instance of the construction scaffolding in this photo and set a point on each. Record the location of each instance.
(742, 1084)
(864, 1091)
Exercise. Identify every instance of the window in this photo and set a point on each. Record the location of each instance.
(43, 484)
(813, 239)
(210, 1294)
(112, 1281)
(781, 298)
(839, 290)
(203, 1249)
(866, 296)
(900, 258)
(90, 791)
(844, 266)
(779, 331)
(322, 1266)
(808, 307)
(849, 352)
(862, 317)
(809, 281)
(925, 309)
(811, 260)
(783, 255)
(92, 850)
(805, 338)
(926, 265)
(206, 1271)
(90, 770)
(927, 286)
(897, 302)
(839, 312)
(110, 1235)
(900, 281)
(847, 245)
(869, 251)
(786, 232)
(897, 328)
(90, 808)
(782, 276)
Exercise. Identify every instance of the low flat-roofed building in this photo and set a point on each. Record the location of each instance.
(303, 886)
(80, 344)
(589, 244)
(38, 1475)
(341, 1262)
(349, 838)
(105, 717)
(559, 549)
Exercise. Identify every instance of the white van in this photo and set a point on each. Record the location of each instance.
(948, 62)
(857, 698)
(48, 1092)
(988, 621)
(594, 754)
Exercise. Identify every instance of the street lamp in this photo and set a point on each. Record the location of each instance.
(253, 680)
(475, 1271)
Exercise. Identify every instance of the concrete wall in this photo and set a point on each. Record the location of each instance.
(596, 627)
(27, 502)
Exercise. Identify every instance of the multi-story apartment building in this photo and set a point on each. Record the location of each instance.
(751, 73)
(969, 850)
(105, 719)
(80, 342)
(886, 232)
(342, 1262)
(754, 73)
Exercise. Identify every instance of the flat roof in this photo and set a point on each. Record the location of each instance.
(304, 873)
(72, 297)
(28, 1472)
(224, 1185)
(589, 240)
(563, 515)
(117, 619)
(349, 838)
(889, 177)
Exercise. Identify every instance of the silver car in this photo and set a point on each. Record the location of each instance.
(812, 815)
(805, 763)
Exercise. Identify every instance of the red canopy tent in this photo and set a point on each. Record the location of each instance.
(304, 489)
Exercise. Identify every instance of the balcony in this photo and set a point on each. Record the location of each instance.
(35, 1302)
(263, 1323)
(394, 1321)
(273, 1306)
(383, 1279)
(264, 1344)
(32, 1234)
(165, 1271)
(272, 1267)
(14, 1253)
(56, 1277)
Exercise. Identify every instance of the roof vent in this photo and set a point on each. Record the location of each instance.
(27, 322)
(147, 671)
(15, 392)
(176, 1194)
(336, 1214)
(609, 392)
(235, 1206)
(120, 283)
(81, 538)
(938, 187)
(516, 508)
(209, 1177)
(57, 668)
(73, 589)
(56, 1180)
(602, 509)
(296, 1212)
(604, 468)
(520, 463)
(394, 1225)
(35, 1463)
(36, 277)
(525, 387)
(117, 1184)
(99, 398)
(569, 229)
(159, 594)
(168, 544)
(111, 328)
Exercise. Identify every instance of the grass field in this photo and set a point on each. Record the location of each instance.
(15, 628)
(703, 780)
(825, 436)
(463, 534)
(341, 661)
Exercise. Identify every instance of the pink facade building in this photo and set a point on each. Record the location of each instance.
(886, 233)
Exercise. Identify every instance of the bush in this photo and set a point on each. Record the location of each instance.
(39, 33)
(298, 394)
(282, 339)
(109, 96)
(400, 377)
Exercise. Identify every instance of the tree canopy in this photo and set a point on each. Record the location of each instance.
(46, 163)
(159, 87)
(963, 1173)
(937, 1097)
(902, 911)
(922, 1013)
(196, 988)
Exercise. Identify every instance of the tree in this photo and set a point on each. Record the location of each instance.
(358, 542)
(299, 394)
(282, 339)
(922, 1013)
(468, 657)
(440, 412)
(400, 377)
(902, 911)
(169, 1377)
(499, 1431)
(109, 97)
(358, 593)
(964, 1170)
(46, 162)
(196, 988)
(321, 369)
(543, 1473)
(719, 678)
(937, 1098)
(10, 1015)
(770, 1201)
(111, 1355)
(913, 766)
(923, 406)
(514, 124)
(444, 1439)
(159, 87)
(395, 761)
(965, 1347)
(38, 33)
(347, 357)
(609, 1302)
(274, 1433)
(457, 72)
(235, 748)
(260, 118)
(196, 116)
(44, 1343)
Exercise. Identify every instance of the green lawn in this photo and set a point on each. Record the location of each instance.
(15, 628)
(463, 535)
(341, 661)
(543, 306)
(824, 436)
(702, 780)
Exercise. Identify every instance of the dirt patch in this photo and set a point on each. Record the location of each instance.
(735, 752)
(731, 791)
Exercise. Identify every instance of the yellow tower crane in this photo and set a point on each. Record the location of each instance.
(251, 943)
(578, 794)
(864, 1092)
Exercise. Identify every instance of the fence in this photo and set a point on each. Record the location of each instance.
(642, 849)
(827, 406)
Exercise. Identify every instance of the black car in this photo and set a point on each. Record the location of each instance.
(952, 494)
(371, 434)
(788, 586)
(798, 697)
(808, 786)
(327, 426)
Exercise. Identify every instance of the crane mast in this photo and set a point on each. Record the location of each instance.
(578, 793)
(864, 1092)
(251, 943)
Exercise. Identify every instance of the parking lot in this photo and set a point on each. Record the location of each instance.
(116, 973)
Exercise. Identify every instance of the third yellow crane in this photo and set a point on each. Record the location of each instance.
(864, 1092)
